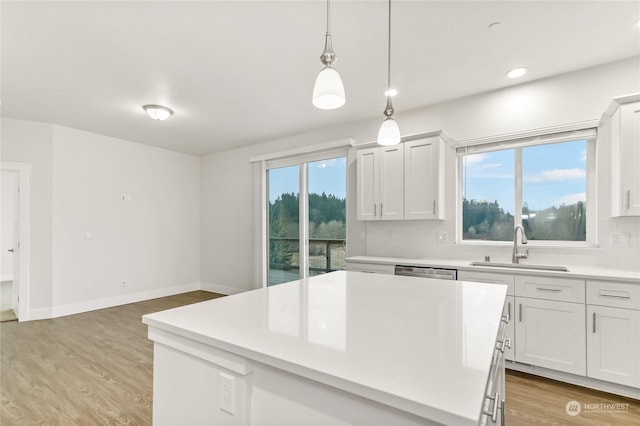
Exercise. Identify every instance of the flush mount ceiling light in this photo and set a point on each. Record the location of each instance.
(328, 91)
(158, 112)
(389, 133)
(517, 72)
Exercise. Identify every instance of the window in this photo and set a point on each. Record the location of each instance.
(544, 183)
(306, 216)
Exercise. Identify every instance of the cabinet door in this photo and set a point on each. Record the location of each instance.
(368, 182)
(613, 345)
(391, 182)
(630, 158)
(551, 334)
(422, 169)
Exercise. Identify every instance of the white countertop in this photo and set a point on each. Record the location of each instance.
(584, 272)
(424, 347)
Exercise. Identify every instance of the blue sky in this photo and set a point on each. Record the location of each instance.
(553, 175)
(329, 176)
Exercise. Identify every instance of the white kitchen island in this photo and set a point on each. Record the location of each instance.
(340, 348)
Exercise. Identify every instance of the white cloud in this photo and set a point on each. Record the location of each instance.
(571, 199)
(583, 156)
(488, 166)
(474, 159)
(557, 175)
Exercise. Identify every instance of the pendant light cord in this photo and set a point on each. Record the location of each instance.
(389, 52)
(328, 17)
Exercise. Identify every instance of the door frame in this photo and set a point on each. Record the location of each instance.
(22, 239)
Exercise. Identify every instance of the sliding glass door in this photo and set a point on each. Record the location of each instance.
(284, 224)
(306, 219)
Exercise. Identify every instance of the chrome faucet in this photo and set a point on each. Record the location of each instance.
(517, 256)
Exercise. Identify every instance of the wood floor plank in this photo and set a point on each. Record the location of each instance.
(97, 368)
(86, 369)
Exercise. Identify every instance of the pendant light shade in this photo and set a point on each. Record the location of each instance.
(328, 92)
(389, 133)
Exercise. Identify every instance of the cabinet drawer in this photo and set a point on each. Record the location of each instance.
(617, 295)
(560, 289)
(375, 268)
(488, 277)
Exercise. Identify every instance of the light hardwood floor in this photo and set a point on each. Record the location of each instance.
(96, 369)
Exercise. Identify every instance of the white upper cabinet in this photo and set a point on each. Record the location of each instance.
(625, 156)
(368, 182)
(424, 178)
(380, 183)
(405, 181)
(391, 182)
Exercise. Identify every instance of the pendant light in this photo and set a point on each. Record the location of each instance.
(328, 91)
(389, 133)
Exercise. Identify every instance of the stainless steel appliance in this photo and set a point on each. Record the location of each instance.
(427, 272)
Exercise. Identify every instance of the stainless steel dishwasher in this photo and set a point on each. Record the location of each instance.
(426, 272)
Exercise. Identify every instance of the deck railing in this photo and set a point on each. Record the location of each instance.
(325, 255)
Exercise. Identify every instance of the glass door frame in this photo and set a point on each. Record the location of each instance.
(302, 161)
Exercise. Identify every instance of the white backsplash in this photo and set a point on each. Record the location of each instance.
(420, 239)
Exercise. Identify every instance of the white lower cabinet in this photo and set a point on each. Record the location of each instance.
(613, 345)
(551, 334)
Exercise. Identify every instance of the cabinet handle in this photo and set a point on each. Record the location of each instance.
(520, 312)
(435, 207)
(554, 290)
(506, 343)
(494, 412)
(615, 296)
(507, 318)
(375, 209)
(594, 322)
(628, 199)
(380, 209)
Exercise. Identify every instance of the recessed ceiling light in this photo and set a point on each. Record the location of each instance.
(517, 72)
(390, 92)
(158, 112)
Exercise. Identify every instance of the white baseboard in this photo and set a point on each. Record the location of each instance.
(221, 289)
(109, 302)
(6, 277)
(36, 314)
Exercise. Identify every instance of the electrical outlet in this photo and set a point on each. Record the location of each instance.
(125, 283)
(620, 239)
(88, 287)
(443, 236)
(227, 400)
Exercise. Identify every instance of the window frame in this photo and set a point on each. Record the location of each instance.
(517, 141)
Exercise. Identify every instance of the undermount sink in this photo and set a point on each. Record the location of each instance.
(522, 266)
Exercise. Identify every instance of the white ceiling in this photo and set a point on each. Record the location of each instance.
(238, 73)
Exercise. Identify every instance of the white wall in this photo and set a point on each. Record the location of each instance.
(150, 240)
(9, 182)
(568, 98)
(85, 240)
